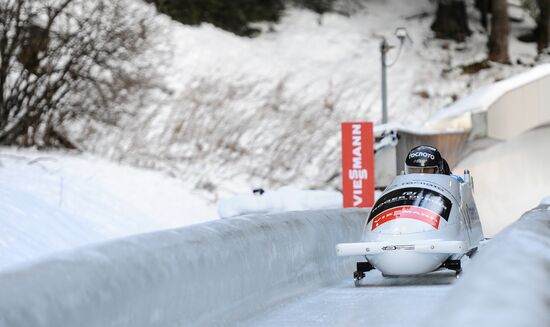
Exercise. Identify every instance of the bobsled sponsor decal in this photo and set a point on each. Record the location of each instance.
(413, 203)
(409, 212)
(421, 154)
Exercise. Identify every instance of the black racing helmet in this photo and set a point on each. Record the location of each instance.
(424, 159)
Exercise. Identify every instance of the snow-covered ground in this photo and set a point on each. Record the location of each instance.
(237, 113)
(54, 201)
(51, 202)
(510, 178)
(284, 199)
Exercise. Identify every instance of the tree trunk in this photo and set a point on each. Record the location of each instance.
(500, 28)
(484, 8)
(543, 25)
(451, 21)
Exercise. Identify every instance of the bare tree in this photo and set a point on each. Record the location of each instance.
(500, 29)
(451, 21)
(64, 59)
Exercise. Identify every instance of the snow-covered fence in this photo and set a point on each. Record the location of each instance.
(209, 274)
(501, 110)
(508, 283)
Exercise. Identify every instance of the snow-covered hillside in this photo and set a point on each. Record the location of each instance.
(236, 113)
(51, 202)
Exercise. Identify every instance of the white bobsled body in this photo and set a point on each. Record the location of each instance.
(419, 222)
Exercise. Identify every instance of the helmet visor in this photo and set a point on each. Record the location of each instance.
(421, 170)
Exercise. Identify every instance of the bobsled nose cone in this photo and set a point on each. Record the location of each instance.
(407, 263)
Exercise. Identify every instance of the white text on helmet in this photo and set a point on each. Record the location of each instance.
(422, 154)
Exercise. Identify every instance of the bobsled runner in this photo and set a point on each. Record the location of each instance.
(421, 223)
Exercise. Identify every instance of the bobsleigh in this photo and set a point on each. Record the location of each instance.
(420, 223)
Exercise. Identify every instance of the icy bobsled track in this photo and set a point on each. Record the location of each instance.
(399, 301)
(277, 270)
(505, 284)
(216, 273)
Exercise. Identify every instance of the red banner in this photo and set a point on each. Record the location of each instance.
(358, 165)
(409, 212)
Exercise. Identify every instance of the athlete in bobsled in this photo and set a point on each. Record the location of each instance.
(426, 219)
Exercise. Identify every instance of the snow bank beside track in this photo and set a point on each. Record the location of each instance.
(508, 283)
(509, 178)
(209, 274)
(56, 201)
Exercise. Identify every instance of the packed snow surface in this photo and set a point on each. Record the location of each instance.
(288, 198)
(57, 201)
(510, 178)
(284, 199)
(51, 202)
